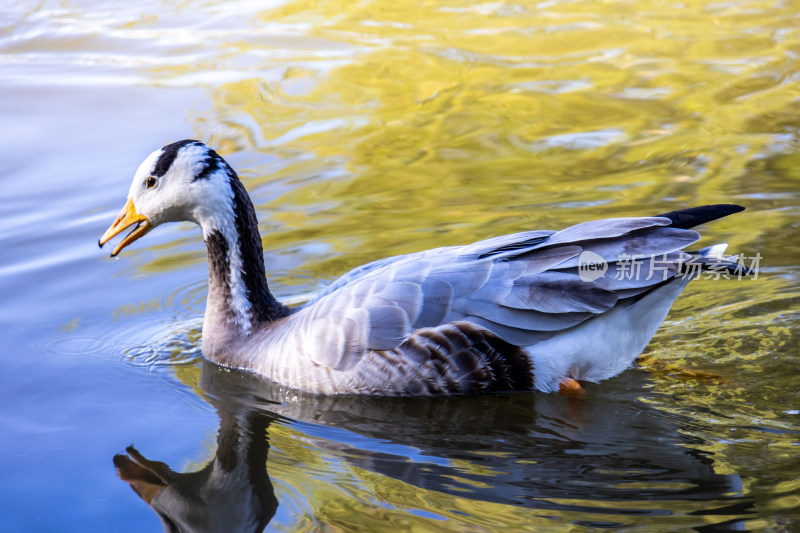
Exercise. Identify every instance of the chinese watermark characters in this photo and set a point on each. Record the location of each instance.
(592, 266)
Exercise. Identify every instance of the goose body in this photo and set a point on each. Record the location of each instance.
(517, 312)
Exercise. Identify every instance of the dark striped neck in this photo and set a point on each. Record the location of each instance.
(265, 307)
(238, 293)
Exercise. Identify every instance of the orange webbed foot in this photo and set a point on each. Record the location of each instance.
(571, 389)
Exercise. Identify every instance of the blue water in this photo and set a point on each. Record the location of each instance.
(100, 354)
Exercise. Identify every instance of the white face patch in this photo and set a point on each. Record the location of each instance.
(142, 173)
(170, 197)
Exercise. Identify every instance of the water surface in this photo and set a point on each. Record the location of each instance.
(369, 129)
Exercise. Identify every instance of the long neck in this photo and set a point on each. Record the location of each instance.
(238, 296)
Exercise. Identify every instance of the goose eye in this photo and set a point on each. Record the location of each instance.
(151, 182)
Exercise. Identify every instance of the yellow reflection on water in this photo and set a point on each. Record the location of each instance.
(497, 117)
(389, 127)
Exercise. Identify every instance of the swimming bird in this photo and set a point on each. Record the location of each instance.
(532, 310)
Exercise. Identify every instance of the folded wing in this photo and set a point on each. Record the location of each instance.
(523, 287)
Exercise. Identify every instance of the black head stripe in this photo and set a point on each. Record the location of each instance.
(168, 155)
(213, 163)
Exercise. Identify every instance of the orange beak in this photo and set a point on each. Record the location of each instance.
(128, 217)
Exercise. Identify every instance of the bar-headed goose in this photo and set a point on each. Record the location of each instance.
(532, 310)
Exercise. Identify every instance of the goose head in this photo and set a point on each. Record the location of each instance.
(188, 181)
(183, 181)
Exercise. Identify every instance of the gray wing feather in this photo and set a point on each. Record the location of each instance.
(336, 339)
(642, 243)
(516, 336)
(521, 318)
(605, 229)
(505, 245)
(388, 327)
(438, 297)
(558, 292)
(523, 287)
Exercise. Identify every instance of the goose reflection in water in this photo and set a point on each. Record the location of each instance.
(612, 457)
(232, 493)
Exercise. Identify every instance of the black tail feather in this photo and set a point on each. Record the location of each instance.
(694, 216)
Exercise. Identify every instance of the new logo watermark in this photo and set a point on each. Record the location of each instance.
(591, 266)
